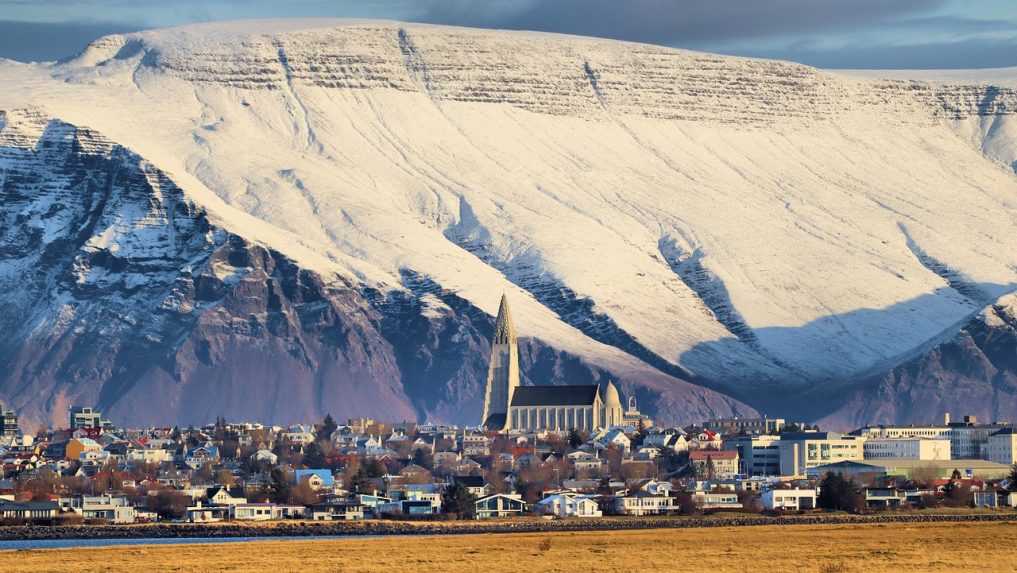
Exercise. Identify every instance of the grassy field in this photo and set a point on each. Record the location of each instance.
(943, 547)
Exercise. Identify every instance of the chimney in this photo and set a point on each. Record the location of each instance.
(946, 419)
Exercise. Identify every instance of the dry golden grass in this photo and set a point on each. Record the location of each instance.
(987, 547)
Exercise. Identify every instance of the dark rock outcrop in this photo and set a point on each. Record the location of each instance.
(975, 373)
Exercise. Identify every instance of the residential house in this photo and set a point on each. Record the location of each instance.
(568, 504)
(317, 479)
(714, 463)
(993, 499)
(890, 497)
(499, 505)
(219, 495)
(585, 463)
(716, 500)
(475, 444)
(114, 509)
(29, 510)
(703, 439)
(790, 499)
(207, 514)
(75, 447)
(477, 486)
(345, 510)
(198, 457)
(255, 512)
(642, 503)
(616, 437)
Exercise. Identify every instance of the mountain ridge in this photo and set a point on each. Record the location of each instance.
(667, 215)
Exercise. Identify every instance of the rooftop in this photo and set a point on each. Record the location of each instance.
(555, 395)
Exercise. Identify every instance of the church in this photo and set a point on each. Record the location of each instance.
(509, 406)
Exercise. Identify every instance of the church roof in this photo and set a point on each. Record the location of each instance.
(504, 329)
(555, 395)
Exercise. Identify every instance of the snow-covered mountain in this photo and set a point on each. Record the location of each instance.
(712, 231)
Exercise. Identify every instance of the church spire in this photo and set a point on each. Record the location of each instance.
(504, 329)
(502, 372)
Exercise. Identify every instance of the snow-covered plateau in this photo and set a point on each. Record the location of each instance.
(278, 219)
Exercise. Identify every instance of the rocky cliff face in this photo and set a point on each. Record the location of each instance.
(329, 211)
(975, 372)
(118, 291)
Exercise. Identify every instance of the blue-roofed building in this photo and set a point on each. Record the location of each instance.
(316, 478)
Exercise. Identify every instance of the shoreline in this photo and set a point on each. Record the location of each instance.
(404, 528)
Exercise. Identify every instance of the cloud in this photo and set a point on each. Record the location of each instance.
(829, 33)
(38, 41)
(961, 54)
(685, 22)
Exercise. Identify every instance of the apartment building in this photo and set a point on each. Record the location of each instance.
(907, 448)
(800, 451)
(1001, 447)
(758, 455)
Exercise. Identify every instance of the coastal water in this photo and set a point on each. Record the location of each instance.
(23, 545)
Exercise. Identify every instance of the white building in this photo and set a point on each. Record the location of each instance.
(790, 499)
(801, 451)
(569, 505)
(1001, 447)
(907, 448)
(642, 503)
(716, 500)
(757, 455)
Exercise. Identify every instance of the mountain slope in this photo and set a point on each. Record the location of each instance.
(759, 228)
(121, 292)
(975, 372)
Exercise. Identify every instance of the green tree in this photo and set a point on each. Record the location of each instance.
(314, 457)
(169, 504)
(328, 427)
(279, 487)
(358, 481)
(457, 500)
(575, 439)
(1013, 478)
(423, 458)
(838, 493)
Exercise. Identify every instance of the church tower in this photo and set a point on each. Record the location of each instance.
(503, 372)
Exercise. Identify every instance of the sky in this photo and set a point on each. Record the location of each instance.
(920, 34)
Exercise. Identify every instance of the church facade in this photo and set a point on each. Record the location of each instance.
(509, 406)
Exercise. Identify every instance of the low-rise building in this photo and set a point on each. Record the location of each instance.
(499, 505)
(337, 511)
(29, 510)
(568, 505)
(907, 448)
(992, 499)
(889, 497)
(114, 509)
(758, 455)
(801, 451)
(716, 500)
(254, 512)
(1001, 447)
(790, 499)
(719, 462)
(746, 425)
(642, 503)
